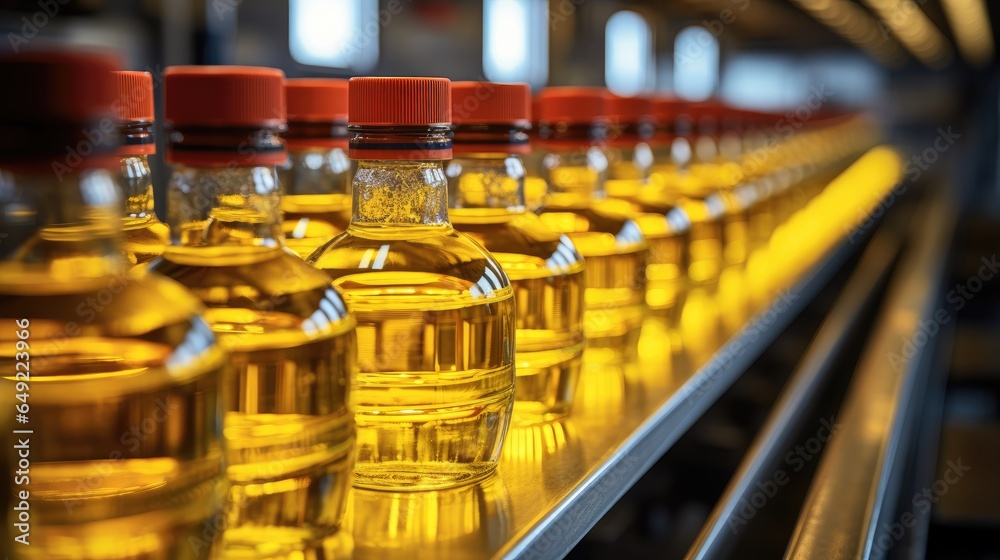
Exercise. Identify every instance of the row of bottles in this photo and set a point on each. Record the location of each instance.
(362, 283)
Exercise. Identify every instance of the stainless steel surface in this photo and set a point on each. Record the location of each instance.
(557, 479)
(776, 437)
(858, 479)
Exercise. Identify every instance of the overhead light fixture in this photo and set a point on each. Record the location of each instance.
(971, 25)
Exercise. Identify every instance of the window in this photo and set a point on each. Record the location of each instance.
(628, 53)
(696, 64)
(335, 33)
(516, 41)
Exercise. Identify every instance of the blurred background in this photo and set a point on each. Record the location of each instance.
(914, 64)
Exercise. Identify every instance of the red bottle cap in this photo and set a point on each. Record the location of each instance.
(316, 99)
(56, 111)
(134, 104)
(135, 96)
(235, 100)
(399, 101)
(225, 96)
(490, 103)
(572, 105)
(666, 109)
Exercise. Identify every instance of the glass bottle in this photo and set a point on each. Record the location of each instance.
(288, 424)
(486, 202)
(317, 176)
(145, 235)
(664, 223)
(115, 376)
(572, 129)
(435, 310)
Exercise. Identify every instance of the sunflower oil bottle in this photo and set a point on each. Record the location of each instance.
(436, 324)
(145, 235)
(664, 224)
(317, 177)
(113, 375)
(573, 127)
(674, 182)
(288, 425)
(486, 202)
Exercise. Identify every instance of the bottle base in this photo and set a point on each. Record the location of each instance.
(283, 543)
(406, 476)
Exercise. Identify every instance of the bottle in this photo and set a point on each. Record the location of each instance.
(317, 176)
(435, 310)
(572, 129)
(145, 235)
(664, 223)
(486, 202)
(114, 375)
(673, 182)
(288, 424)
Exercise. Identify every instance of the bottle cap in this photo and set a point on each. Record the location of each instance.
(316, 99)
(665, 110)
(225, 96)
(134, 104)
(57, 103)
(490, 103)
(135, 96)
(399, 101)
(414, 103)
(218, 113)
(572, 105)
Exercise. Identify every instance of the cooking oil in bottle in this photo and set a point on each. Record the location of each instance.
(572, 125)
(435, 310)
(114, 377)
(145, 235)
(673, 182)
(288, 424)
(486, 188)
(664, 224)
(317, 176)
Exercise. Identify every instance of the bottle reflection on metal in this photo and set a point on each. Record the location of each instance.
(528, 451)
(700, 328)
(734, 299)
(600, 393)
(464, 522)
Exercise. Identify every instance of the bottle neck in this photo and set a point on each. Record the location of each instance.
(58, 228)
(486, 183)
(225, 206)
(399, 193)
(316, 170)
(136, 183)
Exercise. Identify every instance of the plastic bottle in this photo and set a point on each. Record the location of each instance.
(289, 429)
(486, 199)
(317, 177)
(114, 376)
(435, 310)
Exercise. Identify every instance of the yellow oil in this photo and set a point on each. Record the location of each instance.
(317, 197)
(615, 252)
(288, 423)
(144, 235)
(313, 219)
(461, 522)
(546, 273)
(435, 318)
(126, 451)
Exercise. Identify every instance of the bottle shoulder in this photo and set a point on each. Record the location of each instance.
(523, 242)
(271, 287)
(427, 260)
